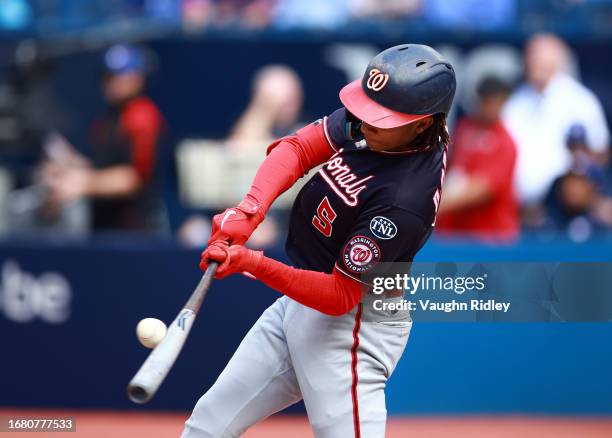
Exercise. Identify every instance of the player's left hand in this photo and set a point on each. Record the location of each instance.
(231, 259)
(235, 225)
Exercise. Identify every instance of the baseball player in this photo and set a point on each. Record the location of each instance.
(374, 200)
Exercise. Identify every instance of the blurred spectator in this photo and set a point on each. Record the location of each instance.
(196, 14)
(247, 14)
(576, 203)
(258, 14)
(576, 207)
(388, 9)
(194, 231)
(273, 111)
(50, 16)
(583, 160)
(478, 196)
(165, 9)
(119, 178)
(540, 112)
(471, 14)
(29, 115)
(317, 14)
(29, 111)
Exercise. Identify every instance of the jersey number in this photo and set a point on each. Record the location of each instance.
(324, 217)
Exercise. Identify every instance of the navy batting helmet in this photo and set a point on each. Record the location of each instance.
(401, 85)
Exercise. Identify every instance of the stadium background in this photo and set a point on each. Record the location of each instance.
(68, 307)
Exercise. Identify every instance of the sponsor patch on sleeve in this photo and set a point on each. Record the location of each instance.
(360, 254)
(383, 228)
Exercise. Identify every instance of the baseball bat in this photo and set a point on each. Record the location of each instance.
(154, 369)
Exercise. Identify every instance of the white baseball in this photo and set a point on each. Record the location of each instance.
(150, 332)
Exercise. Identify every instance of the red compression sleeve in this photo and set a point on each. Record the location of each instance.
(333, 294)
(288, 160)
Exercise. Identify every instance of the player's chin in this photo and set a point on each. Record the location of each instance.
(375, 145)
(370, 141)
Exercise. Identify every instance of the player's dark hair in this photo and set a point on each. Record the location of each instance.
(428, 139)
(425, 141)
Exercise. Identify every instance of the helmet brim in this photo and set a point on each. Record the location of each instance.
(364, 108)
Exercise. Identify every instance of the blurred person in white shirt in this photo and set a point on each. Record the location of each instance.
(540, 112)
(273, 111)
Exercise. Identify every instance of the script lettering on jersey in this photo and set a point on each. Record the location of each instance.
(437, 195)
(342, 180)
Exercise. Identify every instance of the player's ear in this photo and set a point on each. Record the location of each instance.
(423, 124)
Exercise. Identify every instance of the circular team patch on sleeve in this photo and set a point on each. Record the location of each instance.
(360, 254)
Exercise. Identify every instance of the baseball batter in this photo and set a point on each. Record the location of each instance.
(374, 200)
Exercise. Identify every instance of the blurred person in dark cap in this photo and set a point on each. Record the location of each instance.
(119, 176)
(577, 203)
(576, 207)
(583, 160)
(478, 197)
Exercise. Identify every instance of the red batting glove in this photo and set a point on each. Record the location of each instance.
(218, 252)
(232, 259)
(235, 225)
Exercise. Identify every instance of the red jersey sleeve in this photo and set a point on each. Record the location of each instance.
(141, 122)
(289, 159)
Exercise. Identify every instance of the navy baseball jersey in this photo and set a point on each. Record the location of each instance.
(364, 207)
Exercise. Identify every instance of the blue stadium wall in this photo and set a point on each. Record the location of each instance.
(87, 360)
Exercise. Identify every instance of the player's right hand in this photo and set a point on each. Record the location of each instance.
(232, 259)
(235, 225)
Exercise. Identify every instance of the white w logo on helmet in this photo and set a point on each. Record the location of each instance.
(377, 80)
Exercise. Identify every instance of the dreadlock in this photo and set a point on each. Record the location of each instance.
(424, 142)
(428, 139)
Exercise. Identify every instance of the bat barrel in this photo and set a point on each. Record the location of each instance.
(138, 393)
(156, 367)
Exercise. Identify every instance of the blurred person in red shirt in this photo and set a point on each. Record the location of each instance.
(118, 176)
(478, 197)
